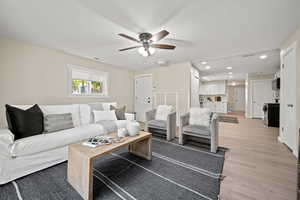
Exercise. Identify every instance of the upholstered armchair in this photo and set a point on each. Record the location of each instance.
(209, 132)
(165, 127)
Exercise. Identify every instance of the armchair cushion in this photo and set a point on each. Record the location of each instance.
(162, 112)
(160, 124)
(200, 116)
(196, 129)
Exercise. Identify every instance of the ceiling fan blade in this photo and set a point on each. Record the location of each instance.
(128, 37)
(163, 46)
(130, 48)
(160, 35)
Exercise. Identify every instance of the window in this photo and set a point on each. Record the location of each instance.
(87, 82)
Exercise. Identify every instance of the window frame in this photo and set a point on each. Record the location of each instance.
(104, 94)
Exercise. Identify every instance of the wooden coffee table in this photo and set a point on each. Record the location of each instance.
(80, 160)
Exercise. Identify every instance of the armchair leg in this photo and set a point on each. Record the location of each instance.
(181, 139)
(213, 147)
(169, 137)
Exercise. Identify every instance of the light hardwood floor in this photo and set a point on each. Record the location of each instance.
(257, 166)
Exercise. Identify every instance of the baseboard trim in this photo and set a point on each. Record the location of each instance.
(295, 153)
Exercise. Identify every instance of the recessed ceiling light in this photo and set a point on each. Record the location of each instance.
(228, 67)
(203, 62)
(96, 58)
(230, 76)
(230, 73)
(264, 56)
(207, 67)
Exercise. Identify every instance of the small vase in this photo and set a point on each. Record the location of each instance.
(133, 128)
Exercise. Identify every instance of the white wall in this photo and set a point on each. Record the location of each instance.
(195, 85)
(173, 78)
(31, 74)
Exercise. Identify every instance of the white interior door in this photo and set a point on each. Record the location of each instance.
(261, 93)
(239, 99)
(143, 95)
(289, 99)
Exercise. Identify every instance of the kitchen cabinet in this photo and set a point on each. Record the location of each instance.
(213, 88)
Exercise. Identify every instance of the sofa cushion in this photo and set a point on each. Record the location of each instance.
(61, 109)
(200, 116)
(106, 105)
(94, 106)
(196, 129)
(24, 123)
(45, 142)
(57, 122)
(162, 112)
(161, 124)
(85, 114)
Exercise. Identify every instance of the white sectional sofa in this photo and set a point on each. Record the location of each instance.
(27, 155)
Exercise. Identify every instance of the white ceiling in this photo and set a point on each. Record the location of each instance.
(201, 29)
(241, 65)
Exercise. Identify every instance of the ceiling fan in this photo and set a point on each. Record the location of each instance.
(148, 42)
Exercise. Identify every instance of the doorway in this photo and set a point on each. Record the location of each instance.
(261, 93)
(143, 95)
(236, 98)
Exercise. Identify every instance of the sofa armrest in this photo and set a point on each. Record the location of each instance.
(130, 116)
(172, 117)
(150, 115)
(6, 141)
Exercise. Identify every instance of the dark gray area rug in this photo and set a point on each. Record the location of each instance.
(175, 172)
(228, 119)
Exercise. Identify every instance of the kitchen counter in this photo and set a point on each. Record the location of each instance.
(216, 106)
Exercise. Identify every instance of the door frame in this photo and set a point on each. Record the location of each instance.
(140, 76)
(251, 94)
(280, 138)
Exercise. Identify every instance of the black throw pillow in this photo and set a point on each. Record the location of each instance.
(25, 123)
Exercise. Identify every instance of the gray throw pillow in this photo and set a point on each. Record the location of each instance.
(95, 106)
(120, 112)
(57, 122)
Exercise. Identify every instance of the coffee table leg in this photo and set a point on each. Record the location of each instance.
(80, 174)
(142, 148)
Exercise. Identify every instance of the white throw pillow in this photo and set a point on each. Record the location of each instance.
(200, 116)
(162, 112)
(104, 115)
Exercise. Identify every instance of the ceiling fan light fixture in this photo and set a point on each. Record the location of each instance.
(144, 52)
